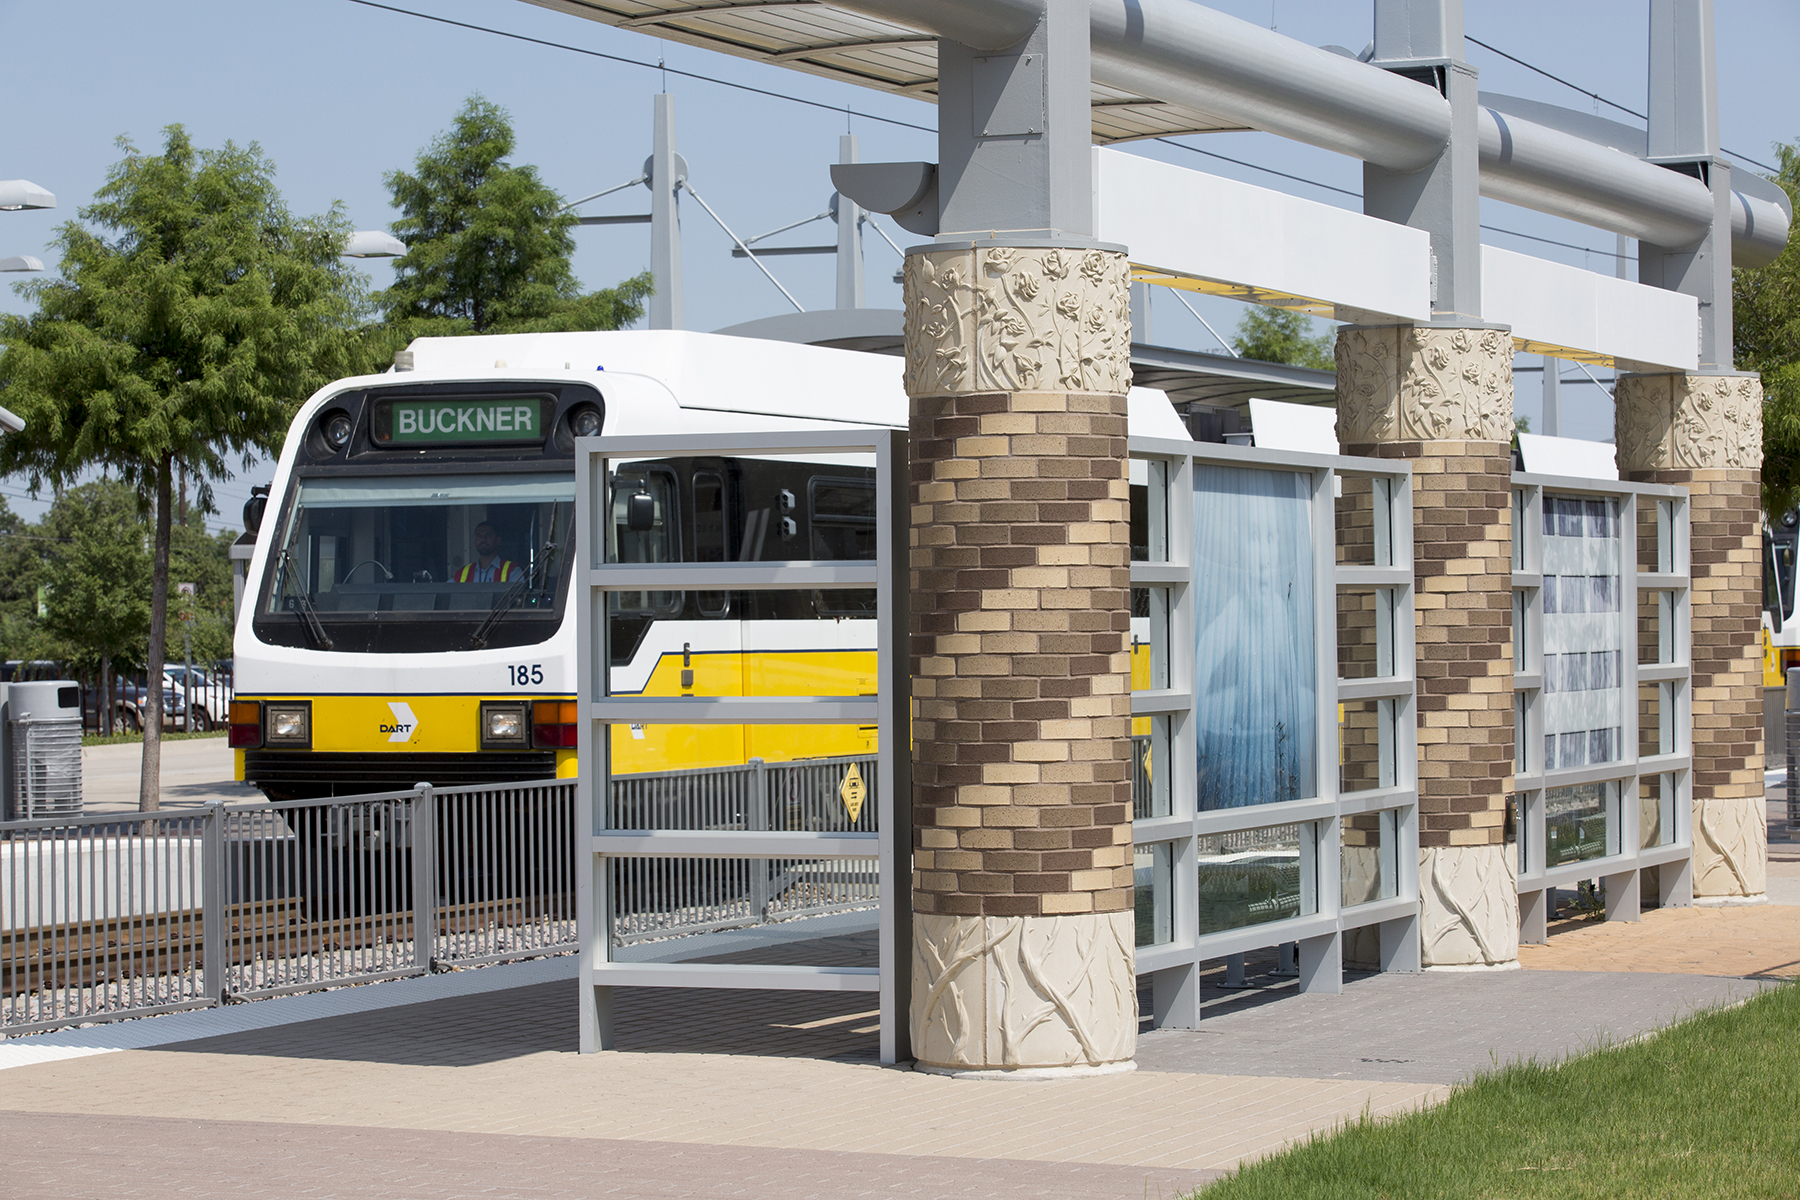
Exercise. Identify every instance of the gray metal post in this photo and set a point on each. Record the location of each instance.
(666, 179)
(1014, 135)
(1684, 136)
(1792, 716)
(849, 217)
(212, 901)
(1423, 40)
(756, 817)
(1140, 313)
(424, 875)
(1552, 397)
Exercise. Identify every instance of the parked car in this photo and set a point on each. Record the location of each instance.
(129, 699)
(208, 694)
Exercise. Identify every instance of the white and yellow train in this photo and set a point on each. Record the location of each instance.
(409, 618)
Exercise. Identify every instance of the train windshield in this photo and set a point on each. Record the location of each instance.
(421, 563)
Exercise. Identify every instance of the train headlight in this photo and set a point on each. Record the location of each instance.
(585, 421)
(505, 725)
(337, 431)
(288, 725)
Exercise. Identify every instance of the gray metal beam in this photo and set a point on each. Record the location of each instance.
(1014, 131)
(1423, 40)
(1185, 53)
(1683, 136)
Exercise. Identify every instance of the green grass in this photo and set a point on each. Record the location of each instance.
(124, 739)
(1708, 1108)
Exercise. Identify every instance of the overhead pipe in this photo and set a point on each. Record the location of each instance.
(1184, 53)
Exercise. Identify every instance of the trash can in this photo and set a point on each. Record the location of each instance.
(43, 730)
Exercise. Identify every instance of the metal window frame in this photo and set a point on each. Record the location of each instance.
(1621, 869)
(887, 711)
(1174, 966)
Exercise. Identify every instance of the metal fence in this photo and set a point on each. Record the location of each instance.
(110, 916)
(195, 700)
(664, 897)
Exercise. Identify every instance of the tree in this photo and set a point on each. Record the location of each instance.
(98, 571)
(1765, 310)
(488, 244)
(1280, 335)
(186, 330)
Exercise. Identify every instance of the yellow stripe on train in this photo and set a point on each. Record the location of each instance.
(638, 749)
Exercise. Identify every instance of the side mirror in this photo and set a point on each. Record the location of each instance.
(640, 512)
(254, 508)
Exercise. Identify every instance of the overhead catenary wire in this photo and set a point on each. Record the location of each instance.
(927, 129)
(1513, 58)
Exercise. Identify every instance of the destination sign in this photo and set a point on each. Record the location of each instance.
(460, 419)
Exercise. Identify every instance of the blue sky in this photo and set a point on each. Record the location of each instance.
(338, 94)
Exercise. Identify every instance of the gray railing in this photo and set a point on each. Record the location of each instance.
(110, 916)
(665, 897)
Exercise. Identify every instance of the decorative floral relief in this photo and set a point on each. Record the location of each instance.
(1689, 422)
(1469, 905)
(1456, 385)
(1368, 387)
(993, 993)
(1009, 320)
(1731, 848)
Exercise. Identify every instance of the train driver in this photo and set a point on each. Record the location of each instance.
(488, 566)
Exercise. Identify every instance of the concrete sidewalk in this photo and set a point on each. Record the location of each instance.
(194, 771)
(473, 1086)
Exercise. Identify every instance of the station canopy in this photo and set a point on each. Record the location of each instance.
(819, 39)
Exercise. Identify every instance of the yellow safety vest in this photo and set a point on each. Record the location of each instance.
(503, 572)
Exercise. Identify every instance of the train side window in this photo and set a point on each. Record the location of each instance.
(657, 544)
(841, 519)
(711, 520)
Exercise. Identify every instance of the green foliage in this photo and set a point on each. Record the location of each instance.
(98, 569)
(488, 245)
(1279, 335)
(1703, 1111)
(203, 560)
(191, 334)
(1765, 309)
(184, 331)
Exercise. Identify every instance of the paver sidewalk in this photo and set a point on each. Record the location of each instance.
(1760, 940)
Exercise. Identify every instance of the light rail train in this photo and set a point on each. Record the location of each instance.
(409, 615)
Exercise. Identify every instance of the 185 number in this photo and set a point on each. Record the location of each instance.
(524, 676)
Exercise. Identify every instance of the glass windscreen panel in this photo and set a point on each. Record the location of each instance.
(1254, 876)
(1255, 664)
(1583, 633)
(1579, 822)
(1153, 890)
(421, 563)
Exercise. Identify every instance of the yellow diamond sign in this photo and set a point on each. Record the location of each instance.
(853, 792)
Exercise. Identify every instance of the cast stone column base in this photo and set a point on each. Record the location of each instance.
(1024, 997)
(1469, 907)
(1731, 850)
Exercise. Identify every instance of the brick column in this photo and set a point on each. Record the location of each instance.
(1704, 433)
(1442, 398)
(1017, 365)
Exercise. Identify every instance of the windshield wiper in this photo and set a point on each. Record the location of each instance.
(303, 607)
(509, 599)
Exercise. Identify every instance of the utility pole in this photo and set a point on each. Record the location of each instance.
(668, 172)
(849, 217)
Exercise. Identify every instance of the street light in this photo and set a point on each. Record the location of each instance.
(16, 194)
(373, 243)
(22, 262)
